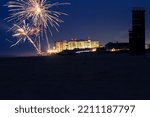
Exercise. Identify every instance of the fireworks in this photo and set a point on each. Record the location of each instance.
(38, 13)
(24, 32)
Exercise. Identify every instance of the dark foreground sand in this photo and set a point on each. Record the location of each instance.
(75, 77)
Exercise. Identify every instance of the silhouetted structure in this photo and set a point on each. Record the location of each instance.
(113, 47)
(137, 33)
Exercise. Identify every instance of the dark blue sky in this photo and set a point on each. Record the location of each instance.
(104, 20)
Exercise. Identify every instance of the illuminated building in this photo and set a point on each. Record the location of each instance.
(76, 44)
(59, 45)
(137, 33)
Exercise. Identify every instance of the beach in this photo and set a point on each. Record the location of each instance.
(82, 76)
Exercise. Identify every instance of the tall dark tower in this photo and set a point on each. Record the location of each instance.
(137, 33)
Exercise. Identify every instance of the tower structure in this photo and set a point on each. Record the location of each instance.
(137, 33)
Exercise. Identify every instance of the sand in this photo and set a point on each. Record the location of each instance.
(85, 76)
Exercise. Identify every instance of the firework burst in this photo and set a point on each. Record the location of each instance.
(25, 32)
(38, 12)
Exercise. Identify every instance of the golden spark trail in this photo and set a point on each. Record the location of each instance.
(24, 33)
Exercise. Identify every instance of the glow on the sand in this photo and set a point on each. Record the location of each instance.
(38, 13)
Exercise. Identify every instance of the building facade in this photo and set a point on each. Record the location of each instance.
(76, 44)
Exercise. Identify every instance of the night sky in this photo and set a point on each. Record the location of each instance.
(104, 20)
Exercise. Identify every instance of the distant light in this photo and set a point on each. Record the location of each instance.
(113, 50)
(48, 51)
(83, 51)
(52, 51)
(94, 50)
